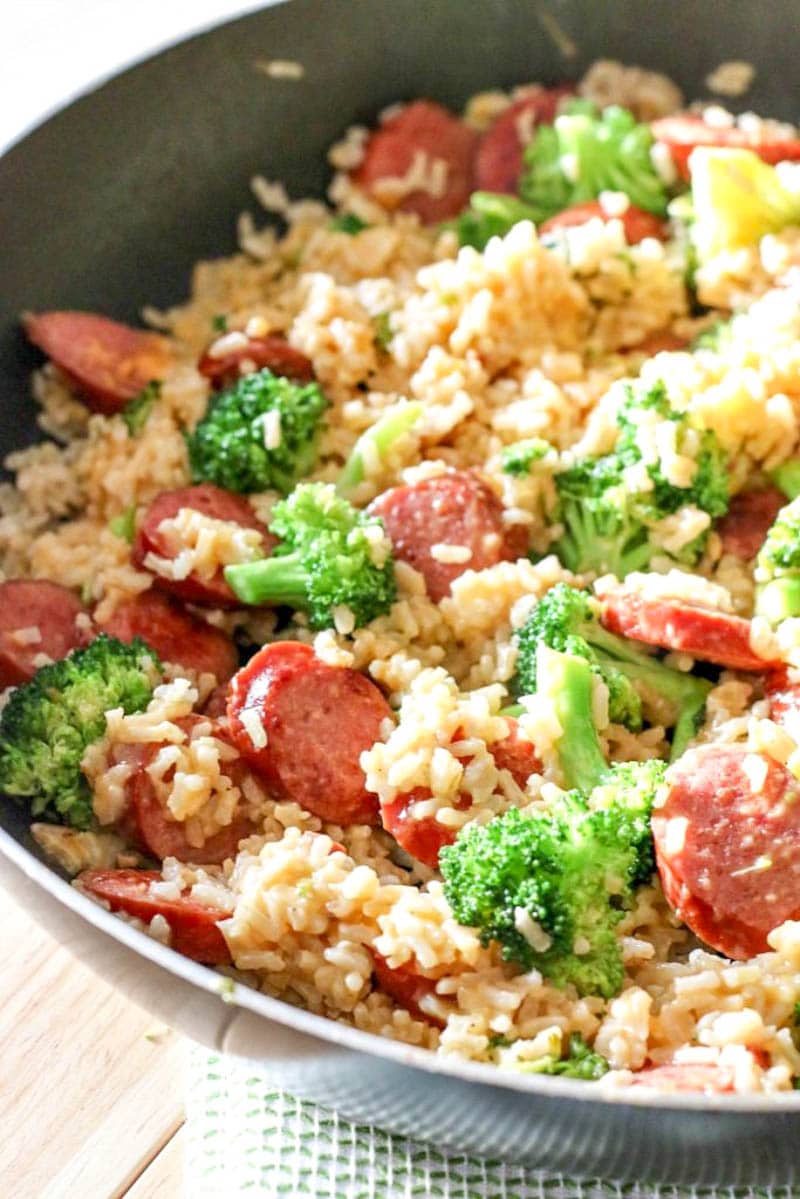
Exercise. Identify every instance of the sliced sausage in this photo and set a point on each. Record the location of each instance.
(417, 139)
(152, 828)
(424, 838)
(193, 926)
(405, 986)
(684, 131)
(37, 617)
(174, 634)
(676, 624)
(498, 163)
(659, 342)
(108, 362)
(748, 520)
(453, 509)
(217, 703)
(706, 1077)
(784, 697)
(636, 223)
(303, 726)
(727, 841)
(272, 352)
(211, 501)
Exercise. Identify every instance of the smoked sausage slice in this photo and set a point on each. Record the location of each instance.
(727, 841)
(108, 362)
(498, 163)
(674, 624)
(684, 131)
(636, 223)
(420, 136)
(452, 509)
(193, 926)
(211, 501)
(748, 520)
(174, 634)
(37, 617)
(272, 352)
(303, 725)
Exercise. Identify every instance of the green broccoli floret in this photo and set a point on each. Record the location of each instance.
(376, 443)
(608, 520)
(137, 411)
(331, 556)
(382, 324)
(581, 1062)
(517, 459)
(586, 152)
(491, 214)
(567, 620)
(48, 722)
(778, 567)
(232, 445)
(347, 222)
(551, 886)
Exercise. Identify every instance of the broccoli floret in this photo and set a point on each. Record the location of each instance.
(48, 722)
(517, 459)
(123, 525)
(778, 567)
(550, 887)
(586, 152)
(137, 411)
(491, 214)
(331, 556)
(376, 443)
(382, 324)
(233, 445)
(608, 519)
(566, 620)
(347, 222)
(581, 1062)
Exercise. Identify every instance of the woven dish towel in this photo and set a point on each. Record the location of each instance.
(246, 1138)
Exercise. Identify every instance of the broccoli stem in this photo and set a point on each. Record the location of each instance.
(278, 580)
(687, 693)
(376, 442)
(779, 599)
(569, 683)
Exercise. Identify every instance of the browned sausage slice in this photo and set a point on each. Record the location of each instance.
(108, 362)
(636, 223)
(272, 352)
(37, 617)
(405, 986)
(153, 829)
(784, 697)
(453, 509)
(727, 840)
(194, 926)
(423, 838)
(211, 501)
(303, 726)
(420, 137)
(748, 520)
(174, 634)
(676, 624)
(683, 131)
(498, 163)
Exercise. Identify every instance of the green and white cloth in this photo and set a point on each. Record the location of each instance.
(247, 1138)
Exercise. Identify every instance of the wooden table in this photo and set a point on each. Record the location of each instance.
(91, 1087)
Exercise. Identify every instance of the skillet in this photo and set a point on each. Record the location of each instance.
(105, 207)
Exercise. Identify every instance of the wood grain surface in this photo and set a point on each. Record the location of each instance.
(91, 1086)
